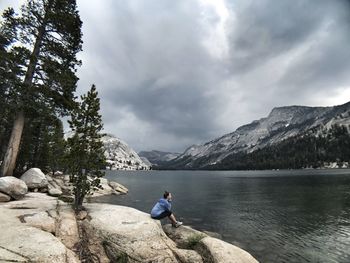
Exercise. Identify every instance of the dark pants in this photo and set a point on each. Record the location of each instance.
(163, 215)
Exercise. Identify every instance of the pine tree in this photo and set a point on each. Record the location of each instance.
(57, 147)
(42, 145)
(86, 154)
(42, 42)
(9, 78)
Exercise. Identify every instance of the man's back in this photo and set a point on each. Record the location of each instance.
(162, 209)
(161, 206)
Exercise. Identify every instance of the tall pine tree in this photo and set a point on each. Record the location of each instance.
(43, 42)
(86, 154)
(10, 73)
(42, 145)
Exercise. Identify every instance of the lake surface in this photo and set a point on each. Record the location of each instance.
(277, 216)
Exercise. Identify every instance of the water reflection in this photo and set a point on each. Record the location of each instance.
(278, 216)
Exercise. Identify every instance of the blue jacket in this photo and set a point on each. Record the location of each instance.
(161, 206)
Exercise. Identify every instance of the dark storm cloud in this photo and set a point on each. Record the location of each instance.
(267, 28)
(158, 78)
(295, 52)
(174, 73)
(154, 66)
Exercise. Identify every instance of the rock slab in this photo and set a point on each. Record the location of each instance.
(26, 231)
(214, 250)
(211, 250)
(67, 228)
(55, 192)
(118, 187)
(183, 235)
(115, 233)
(29, 244)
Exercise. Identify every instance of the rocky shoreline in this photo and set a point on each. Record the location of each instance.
(43, 228)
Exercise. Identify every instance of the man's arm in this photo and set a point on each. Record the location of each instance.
(166, 205)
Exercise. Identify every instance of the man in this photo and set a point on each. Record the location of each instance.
(162, 209)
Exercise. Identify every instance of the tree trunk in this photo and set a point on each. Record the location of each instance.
(10, 158)
(78, 200)
(9, 163)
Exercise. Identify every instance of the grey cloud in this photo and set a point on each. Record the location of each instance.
(267, 28)
(158, 69)
(154, 66)
(162, 88)
(295, 50)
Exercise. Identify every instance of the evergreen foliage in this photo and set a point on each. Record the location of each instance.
(42, 145)
(41, 44)
(86, 154)
(9, 79)
(38, 63)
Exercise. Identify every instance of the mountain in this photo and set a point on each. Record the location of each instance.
(120, 156)
(281, 124)
(325, 148)
(158, 157)
(145, 160)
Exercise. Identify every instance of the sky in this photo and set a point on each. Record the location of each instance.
(171, 74)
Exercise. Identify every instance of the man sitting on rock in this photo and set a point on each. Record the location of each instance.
(162, 209)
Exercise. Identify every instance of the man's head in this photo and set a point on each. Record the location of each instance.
(167, 195)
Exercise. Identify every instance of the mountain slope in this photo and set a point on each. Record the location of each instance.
(120, 156)
(329, 148)
(158, 157)
(282, 123)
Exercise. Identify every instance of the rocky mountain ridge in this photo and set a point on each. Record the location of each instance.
(120, 156)
(282, 123)
(158, 157)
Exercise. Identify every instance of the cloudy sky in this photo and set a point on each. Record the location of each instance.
(175, 73)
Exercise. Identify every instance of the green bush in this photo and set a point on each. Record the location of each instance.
(193, 240)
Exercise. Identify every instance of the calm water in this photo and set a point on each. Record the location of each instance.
(278, 216)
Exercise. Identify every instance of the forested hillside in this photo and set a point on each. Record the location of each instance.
(310, 150)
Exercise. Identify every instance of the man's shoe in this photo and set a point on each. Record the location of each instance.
(178, 223)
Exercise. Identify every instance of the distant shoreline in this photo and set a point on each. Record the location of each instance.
(218, 170)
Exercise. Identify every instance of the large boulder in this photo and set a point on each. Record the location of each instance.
(13, 187)
(35, 178)
(214, 250)
(4, 197)
(105, 189)
(115, 233)
(109, 188)
(55, 192)
(118, 187)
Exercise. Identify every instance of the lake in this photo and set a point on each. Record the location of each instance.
(277, 216)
